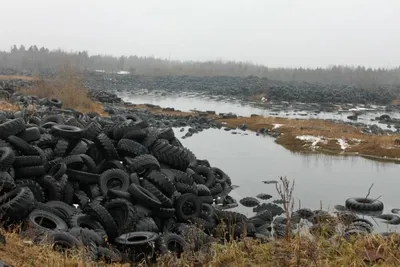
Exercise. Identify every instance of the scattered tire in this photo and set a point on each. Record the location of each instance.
(364, 204)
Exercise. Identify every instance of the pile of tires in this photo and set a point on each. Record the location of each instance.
(116, 186)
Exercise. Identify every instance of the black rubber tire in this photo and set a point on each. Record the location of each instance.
(144, 197)
(27, 161)
(7, 158)
(131, 148)
(249, 202)
(140, 238)
(112, 194)
(124, 214)
(220, 176)
(176, 157)
(230, 217)
(58, 170)
(21, 145)
(16, 204)
(104, 217)
(87, 236)
(364, 204)
(92, 130)
(107, 147)
(185, 188)
(80, 148)
(51, 187)
(30, 134)
(180, 207)
(85, 221)
(61, 148)
(264, 196)
(11, 127)
(83, 177)
(207, 173)
(35, 188)
(146, 224)
(389, 218)
(203, 190)
(7, 183)
(63, 241)
(144, 163)
(174, 243)
(67, 210)
(165, 201)
(50, 222)
(162, 182)
(114, 179)
(135, 135)
(67, 131)
(29, 172)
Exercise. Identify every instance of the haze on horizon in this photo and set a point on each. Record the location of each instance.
(285, 33)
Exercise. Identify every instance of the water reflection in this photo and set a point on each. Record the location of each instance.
(320, 179)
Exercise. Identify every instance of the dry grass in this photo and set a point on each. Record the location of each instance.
(68, 88)
(295, 251)
(17, 77)
(8, 106)
(396, 102)
(370, 145)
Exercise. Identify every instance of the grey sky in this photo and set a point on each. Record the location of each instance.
(289, 33)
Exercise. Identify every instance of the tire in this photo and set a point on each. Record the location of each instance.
(144, 197)
(165, 201)
(6, 182)
(30, 134)
(364, 204)
(220, 176)
(249, 202)
(41, 222)
(27, 161)
(264, 196)
(194, 209)
(16, 204)
(106, 145)
(144, 163)
(131, 148)
(124, 214)
(208, 174)
(58, 170)
(62, 207)
(11, 127)
(63, 241)
(85, 221)
(35, 188)
(176, 157)
(135, 135)
(146, 224)
(7, 158)
(162, 182)
(119, 179)
(203, 190)
(92, 130)
(21, 145)
(112, 194)
(174, 243)
(52, 188)
(136, 239)
(87, 236)
(390, 218)
(104, 217)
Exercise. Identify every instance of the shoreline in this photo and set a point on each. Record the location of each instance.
(374, 147)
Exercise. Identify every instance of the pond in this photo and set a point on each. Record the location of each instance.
(188, 102)
(320, 180)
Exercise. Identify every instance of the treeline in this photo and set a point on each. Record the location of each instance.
(40, 60)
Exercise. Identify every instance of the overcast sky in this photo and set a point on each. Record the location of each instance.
(288, 33)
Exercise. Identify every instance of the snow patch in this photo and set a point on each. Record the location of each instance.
(309, 138)
(123, 72)
(343, 144)
(276, 126)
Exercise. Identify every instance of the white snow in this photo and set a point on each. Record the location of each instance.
(309, 138)
(123, 72)
(276, 126)
(342, 143)
(100, 71)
